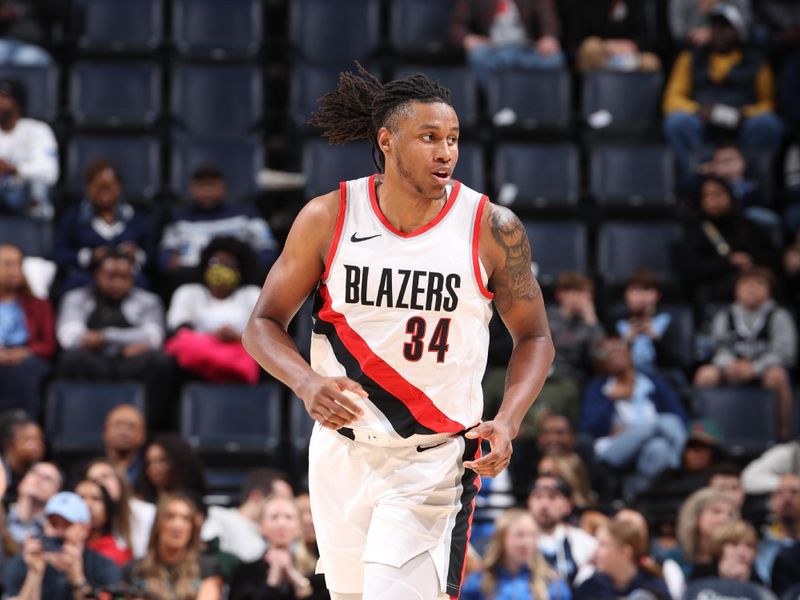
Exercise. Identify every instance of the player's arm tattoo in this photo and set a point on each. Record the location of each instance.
(516, 280)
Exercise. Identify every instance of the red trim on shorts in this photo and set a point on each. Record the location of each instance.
(373, 366)
(337, 233)
(373, 200)
(476, 238)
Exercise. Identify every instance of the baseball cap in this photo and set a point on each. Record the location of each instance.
(733, 16)
(14, 89)
(705, 431)
(69, 506)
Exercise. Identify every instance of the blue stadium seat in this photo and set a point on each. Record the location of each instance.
(325, 165)
(633, 99)
(217, 100)
(461, 82)
(633, 175)
(623, 246)
(232, 419)
(217, 29)
(469, 169)
(137, 157)
(76, 411)
(537, 175)
(115, 94)
(120, 27)
(307, 84)
(335, 33)
(557, 246)
(745, 415)
(32, 236)
(41, 84)
(239, 159)
(415, 26)
(539, 100)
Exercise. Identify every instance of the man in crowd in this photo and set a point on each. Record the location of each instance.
(26, 517)
(124, 435)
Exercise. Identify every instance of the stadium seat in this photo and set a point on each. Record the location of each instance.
(537, 175)
(530, 100)
(120, 27)
(232, 419)
(239, 159)
(317, 31)
(623, 246)
(41, 85)
(137, 157)
(745, 415)
(557, 246)
(415, 27)
(307, 84)
(115, 94)
(75, 412)
(461, 82)
(469, 169)
(220, 30)
(633, 175)
(217, 100)
(32, 236)
(325, 165)
(632, 100)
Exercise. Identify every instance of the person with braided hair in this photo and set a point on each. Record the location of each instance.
(406, 264)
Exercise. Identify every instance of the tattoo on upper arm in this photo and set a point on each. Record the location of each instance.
(517, 281)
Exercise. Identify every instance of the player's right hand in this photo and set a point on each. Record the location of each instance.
(333, 401)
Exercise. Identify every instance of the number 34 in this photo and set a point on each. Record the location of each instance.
(415, 327)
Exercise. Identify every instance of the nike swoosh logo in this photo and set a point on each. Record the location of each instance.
(355, 239)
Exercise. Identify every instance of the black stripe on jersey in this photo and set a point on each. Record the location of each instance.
(397, 413)
(460, 536)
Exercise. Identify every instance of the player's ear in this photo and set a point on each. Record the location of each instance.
(385, 136)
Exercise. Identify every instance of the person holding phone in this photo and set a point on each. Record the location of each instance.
(58, 565)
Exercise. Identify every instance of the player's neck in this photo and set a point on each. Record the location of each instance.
(406, 211)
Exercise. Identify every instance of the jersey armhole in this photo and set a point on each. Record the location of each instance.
(337, 232)
(477, 267)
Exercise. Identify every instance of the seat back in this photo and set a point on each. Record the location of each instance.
(415, 26)
(538, 99)
(41, 85)
(633, 175)
(627, 245)
(745, 415)
(632, 99)
(326, 165)
(217, 29)
(537, 175)
(557, 246)
(129, 26)
(32, 236)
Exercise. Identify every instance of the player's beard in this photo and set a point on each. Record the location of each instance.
(418, 187)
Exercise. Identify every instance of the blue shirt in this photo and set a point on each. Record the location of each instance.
(13, 331)
(512, 587)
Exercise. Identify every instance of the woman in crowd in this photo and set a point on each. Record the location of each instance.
(106, 519)
(513, 567)
(209, 318)
(286, 571)
(170, 465)
(733, 547)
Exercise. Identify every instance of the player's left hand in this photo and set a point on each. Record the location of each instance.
(499, 436)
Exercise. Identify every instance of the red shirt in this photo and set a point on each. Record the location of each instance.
(108, 547)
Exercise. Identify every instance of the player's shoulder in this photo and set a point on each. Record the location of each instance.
(502, 232)
(320, 211)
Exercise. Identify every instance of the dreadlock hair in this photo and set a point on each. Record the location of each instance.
(361, 105)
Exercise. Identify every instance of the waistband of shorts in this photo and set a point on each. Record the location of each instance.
(388, 440)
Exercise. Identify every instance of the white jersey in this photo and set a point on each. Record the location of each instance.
(406, 314)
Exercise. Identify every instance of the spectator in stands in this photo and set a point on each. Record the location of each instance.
(724, 86)
(101, 223)
(783, 528)
(27, 336)
(733, 547)
(104, 521)
(210, 215)
(170, 466)
(650, 333)
(726, 477)
(566, 548)
(113, 331)
(786, 569)
(135, 517)
(303, 501)
(507, 34)
(23, 446)
(719, 243)
(755, 340)
(66, 574)
(238, 529)
(764, 474)
(788, 93)
(27, 515)
(728, 162)
(286, 571)
(690, 20)
(28, 155)
(174, 567)
(637, 420)
(513, 566)
(124, 435)
(621, 570)
(570, 468)
(23, 31)
(209, 318)
(609, 34)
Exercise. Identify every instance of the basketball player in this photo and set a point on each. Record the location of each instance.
(406, 264)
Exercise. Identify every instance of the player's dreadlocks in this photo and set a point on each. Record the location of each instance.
(361, 105)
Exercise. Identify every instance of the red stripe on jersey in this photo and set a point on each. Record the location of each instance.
(373, 200)
(337, 233)
(476, 238)
(421, 407)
